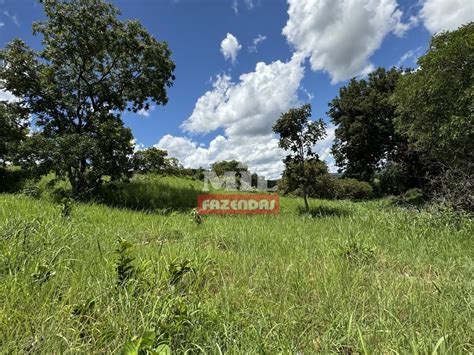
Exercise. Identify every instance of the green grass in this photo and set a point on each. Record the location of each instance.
(348, 278)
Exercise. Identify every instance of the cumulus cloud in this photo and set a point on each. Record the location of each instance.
(443, 15)
(230, 47)
(249, 107)
(261, 153)
(246, 110)
(339, 37)
(256, 41)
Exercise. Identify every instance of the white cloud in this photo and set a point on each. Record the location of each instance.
(235, 6)
(251, 106)
(249, 3)
(443, 15)
(246, 110)
(12, 17)
(323, 148)
(146, 113)
(230, 47)
(260, 153)
(256, 41)
(7, 96)
(137, 146)
(340, 36)
(410, 56)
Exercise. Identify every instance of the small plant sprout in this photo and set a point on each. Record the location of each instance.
(123, 265)
(145, 345)
(177, 270)
(196, 217)
(67, 205)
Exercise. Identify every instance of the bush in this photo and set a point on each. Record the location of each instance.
(352, 189)
(411, 198)
(454, 188)
(414, 197)
(329, 187)
(12, 179)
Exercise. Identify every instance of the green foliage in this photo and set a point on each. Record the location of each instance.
(435, 103)
(144, 345)
(31, 189)
(364, 116)
(12, 179)
(411, 198)
(124, 264)
(150, 160)
(323, 185)
(87, 73)
(176, 271)
(435, 111)
(151, 193)
(357, 253)
(352, 189)
(319, 181)
(224, 166)
(13, 130)
(298, 135)
(67, 205)
(196, 217)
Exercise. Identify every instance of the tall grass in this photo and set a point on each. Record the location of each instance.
(149, 192)
(347, 278)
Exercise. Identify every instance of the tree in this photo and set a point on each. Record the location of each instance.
(223, 166)
(298, 135)
(92, 67)
(435, 103)
(365, 132)
(13, 129)
(319, 181)
(151, 160)
(435, 109)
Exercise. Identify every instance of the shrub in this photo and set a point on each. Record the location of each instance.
(352, 189)
(327, 186)
(411, 198)
(12, 180)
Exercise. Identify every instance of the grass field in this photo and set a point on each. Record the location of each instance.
(348, 278)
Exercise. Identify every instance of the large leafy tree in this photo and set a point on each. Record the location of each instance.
(150, 160)
(435, 104)
(364, 116)
(92, 68)
(298, 135)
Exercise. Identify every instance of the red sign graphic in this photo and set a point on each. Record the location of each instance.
(238, 204)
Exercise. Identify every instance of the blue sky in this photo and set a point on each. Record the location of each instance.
(324, 44)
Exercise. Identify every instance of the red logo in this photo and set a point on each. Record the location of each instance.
(238, 204)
